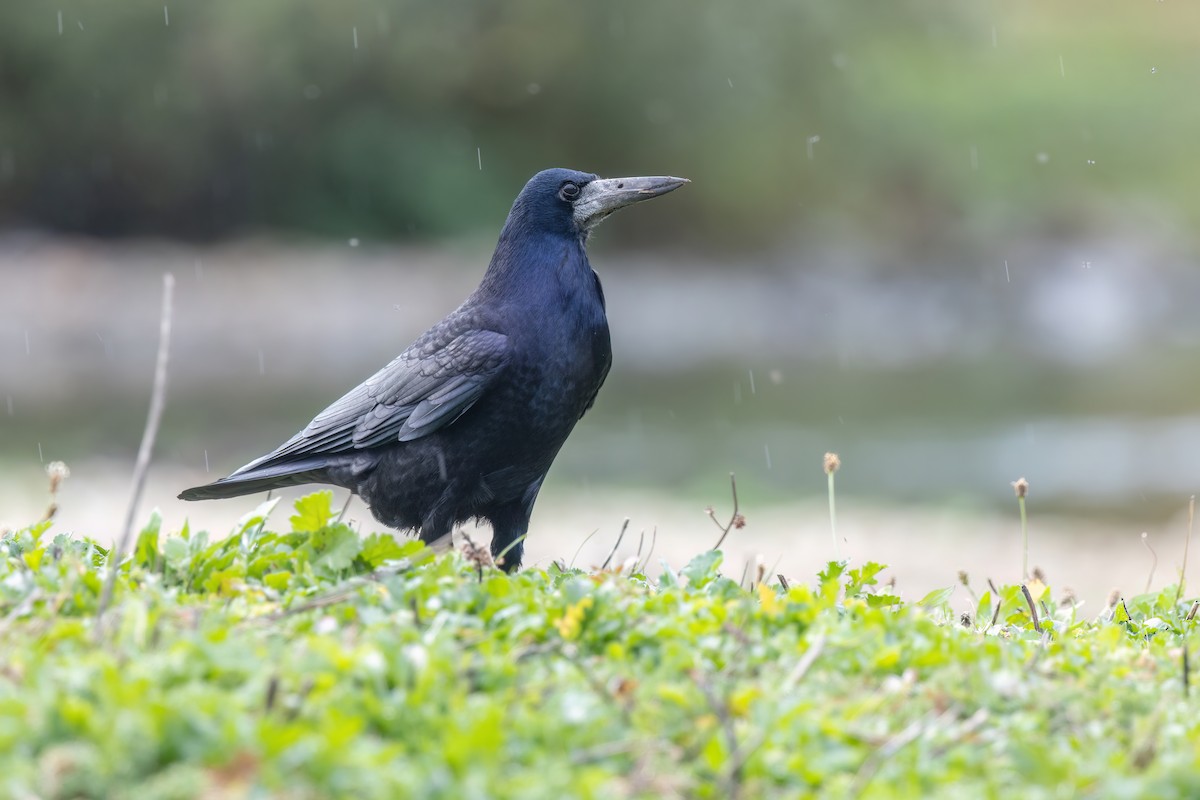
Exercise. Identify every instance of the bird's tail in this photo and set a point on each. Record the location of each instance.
(252, 479)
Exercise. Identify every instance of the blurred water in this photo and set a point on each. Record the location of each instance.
(937, 386)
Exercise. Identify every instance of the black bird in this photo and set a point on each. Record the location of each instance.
(466, 422)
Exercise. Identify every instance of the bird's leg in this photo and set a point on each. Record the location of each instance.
(437, 527)
(509, 525)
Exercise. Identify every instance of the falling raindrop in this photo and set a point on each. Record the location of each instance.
(166, 17)
(1154, 70)
(352, 241)
(810, 142)
(752, 390)
(41, 458)
(479, 157)
(730, 80)
(993, 36)
(206, 461)
(767, 453)
(60, 23)
(355, 30)
(1062, 67)
(1007, 277)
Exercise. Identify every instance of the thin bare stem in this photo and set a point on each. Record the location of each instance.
(1153, 562)
(1024, 540)
(349, 497)
(579, 549)
(650, 552)
(736, 520)
(616, 544)
(1186, 542)
(158, 399)
(1037, 625)
(837, 550)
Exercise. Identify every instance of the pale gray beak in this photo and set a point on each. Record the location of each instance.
(604, 196)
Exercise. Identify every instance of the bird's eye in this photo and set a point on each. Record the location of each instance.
(569, 191)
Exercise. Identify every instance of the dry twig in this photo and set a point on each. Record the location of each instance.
(736, 520)
(158, 399)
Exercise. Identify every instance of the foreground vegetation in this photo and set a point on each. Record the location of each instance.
(318, 663)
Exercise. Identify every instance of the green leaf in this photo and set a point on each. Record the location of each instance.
(702, 569)
(380, 547)
(936, 598)
(175, 550)
(863, 577)
(278, 580)
(313, 512)
(145, 552)
(337, 548)
(251, 524)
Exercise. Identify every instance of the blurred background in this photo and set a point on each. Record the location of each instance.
(957, 244)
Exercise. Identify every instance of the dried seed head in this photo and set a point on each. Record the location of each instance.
(965, 620)
(739, 521)
(1114, 597)
(962, 578)
(832, 462)
(1068, 597)
(1021, 487)
(57, 472)
(1038, 575)
(478, 555)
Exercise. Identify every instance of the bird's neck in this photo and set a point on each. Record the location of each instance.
(531, 268)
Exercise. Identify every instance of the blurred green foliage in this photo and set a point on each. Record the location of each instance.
(916, 123)
(310, 663)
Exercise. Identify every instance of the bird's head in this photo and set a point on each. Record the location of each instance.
(569, 202)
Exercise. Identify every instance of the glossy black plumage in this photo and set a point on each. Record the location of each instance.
(466, 422)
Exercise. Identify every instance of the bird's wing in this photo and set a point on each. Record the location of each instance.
(426, 388)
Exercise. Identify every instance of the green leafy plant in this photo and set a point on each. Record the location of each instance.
(315, 663)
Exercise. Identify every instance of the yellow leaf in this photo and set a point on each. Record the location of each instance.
(769, 600)
(571, 622)
(1036, 589)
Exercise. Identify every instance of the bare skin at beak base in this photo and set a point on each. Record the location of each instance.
(603, 196)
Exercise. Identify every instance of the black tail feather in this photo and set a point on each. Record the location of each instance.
(259, 479)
